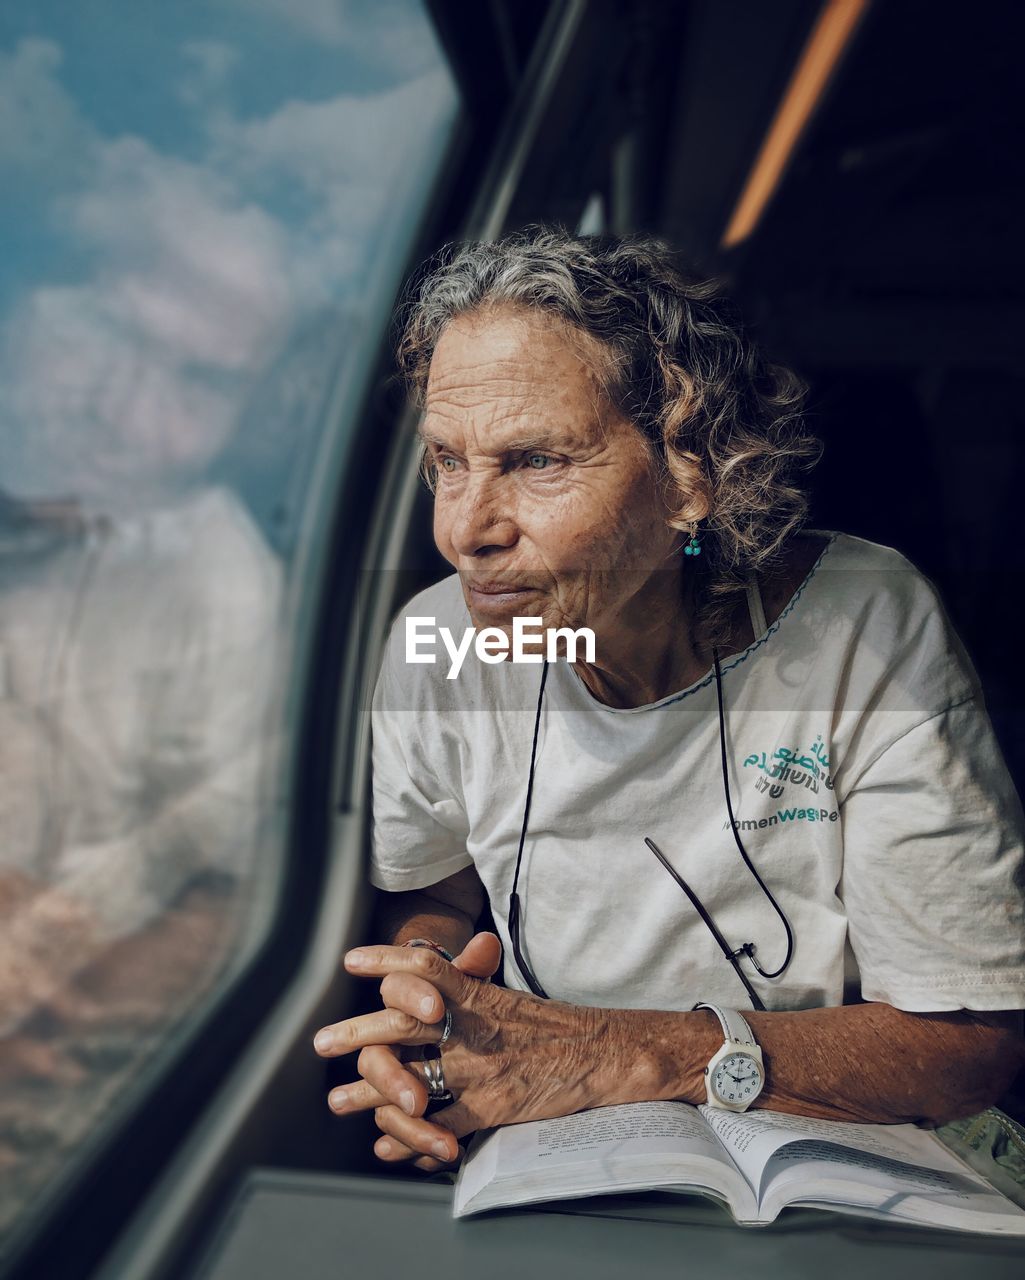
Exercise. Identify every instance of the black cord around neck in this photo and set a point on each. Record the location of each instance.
(514, 897)
(748, 948)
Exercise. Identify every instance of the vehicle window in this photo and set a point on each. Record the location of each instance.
(207, 211)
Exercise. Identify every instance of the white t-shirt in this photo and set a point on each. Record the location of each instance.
(868, 787)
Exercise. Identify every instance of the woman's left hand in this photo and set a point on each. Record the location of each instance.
(511, 1056)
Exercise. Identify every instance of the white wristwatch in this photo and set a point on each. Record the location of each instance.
(736, 1074)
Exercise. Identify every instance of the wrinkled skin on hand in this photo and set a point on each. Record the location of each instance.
(511, 1056)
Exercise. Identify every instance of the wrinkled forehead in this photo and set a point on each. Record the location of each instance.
(519, 354)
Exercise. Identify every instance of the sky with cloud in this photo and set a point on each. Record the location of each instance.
(200, 200)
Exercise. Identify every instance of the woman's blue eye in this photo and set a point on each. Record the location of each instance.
(446, 461)
(539, 461)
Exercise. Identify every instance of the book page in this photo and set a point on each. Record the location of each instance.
(753, 1137)
(602, 1150)
(630, 1129)
(819, 1173)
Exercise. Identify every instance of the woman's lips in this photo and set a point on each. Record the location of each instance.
(499, 596)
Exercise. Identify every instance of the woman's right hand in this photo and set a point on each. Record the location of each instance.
(480, 958)
(512, 1057)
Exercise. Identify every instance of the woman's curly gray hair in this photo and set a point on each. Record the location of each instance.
(678, 365)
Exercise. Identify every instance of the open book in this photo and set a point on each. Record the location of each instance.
(757, 1162)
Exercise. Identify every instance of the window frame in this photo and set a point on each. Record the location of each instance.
(186, 1153)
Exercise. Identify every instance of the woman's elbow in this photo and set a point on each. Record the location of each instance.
(982, 1070)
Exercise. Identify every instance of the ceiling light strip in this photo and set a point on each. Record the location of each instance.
(832, 33)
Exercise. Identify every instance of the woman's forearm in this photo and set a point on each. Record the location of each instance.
(415, 915)
(514, 1056)
(870, 1063)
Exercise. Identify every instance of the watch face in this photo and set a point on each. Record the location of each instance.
(737, 1079)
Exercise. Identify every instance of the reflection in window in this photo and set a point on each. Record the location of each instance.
(205, 218)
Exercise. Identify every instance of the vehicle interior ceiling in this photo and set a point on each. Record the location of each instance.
(885, 269)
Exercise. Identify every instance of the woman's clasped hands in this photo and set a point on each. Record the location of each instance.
(510, 1056)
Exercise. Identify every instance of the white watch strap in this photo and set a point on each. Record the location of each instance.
(734, 1027)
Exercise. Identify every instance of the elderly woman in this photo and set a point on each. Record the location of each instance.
(773, 786)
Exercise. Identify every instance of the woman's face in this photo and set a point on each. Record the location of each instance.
(546, 500)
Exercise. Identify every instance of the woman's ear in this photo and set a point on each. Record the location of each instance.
(686, 491)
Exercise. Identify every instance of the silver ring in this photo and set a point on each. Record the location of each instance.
(448, 1028)
(434, 1073)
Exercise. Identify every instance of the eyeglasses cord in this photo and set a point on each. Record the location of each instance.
(731, 955)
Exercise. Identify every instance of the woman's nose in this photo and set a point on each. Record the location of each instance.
(481, 517)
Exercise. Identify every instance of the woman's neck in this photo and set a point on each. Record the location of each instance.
(652, 649)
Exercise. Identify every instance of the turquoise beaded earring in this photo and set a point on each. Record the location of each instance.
(692, 548)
